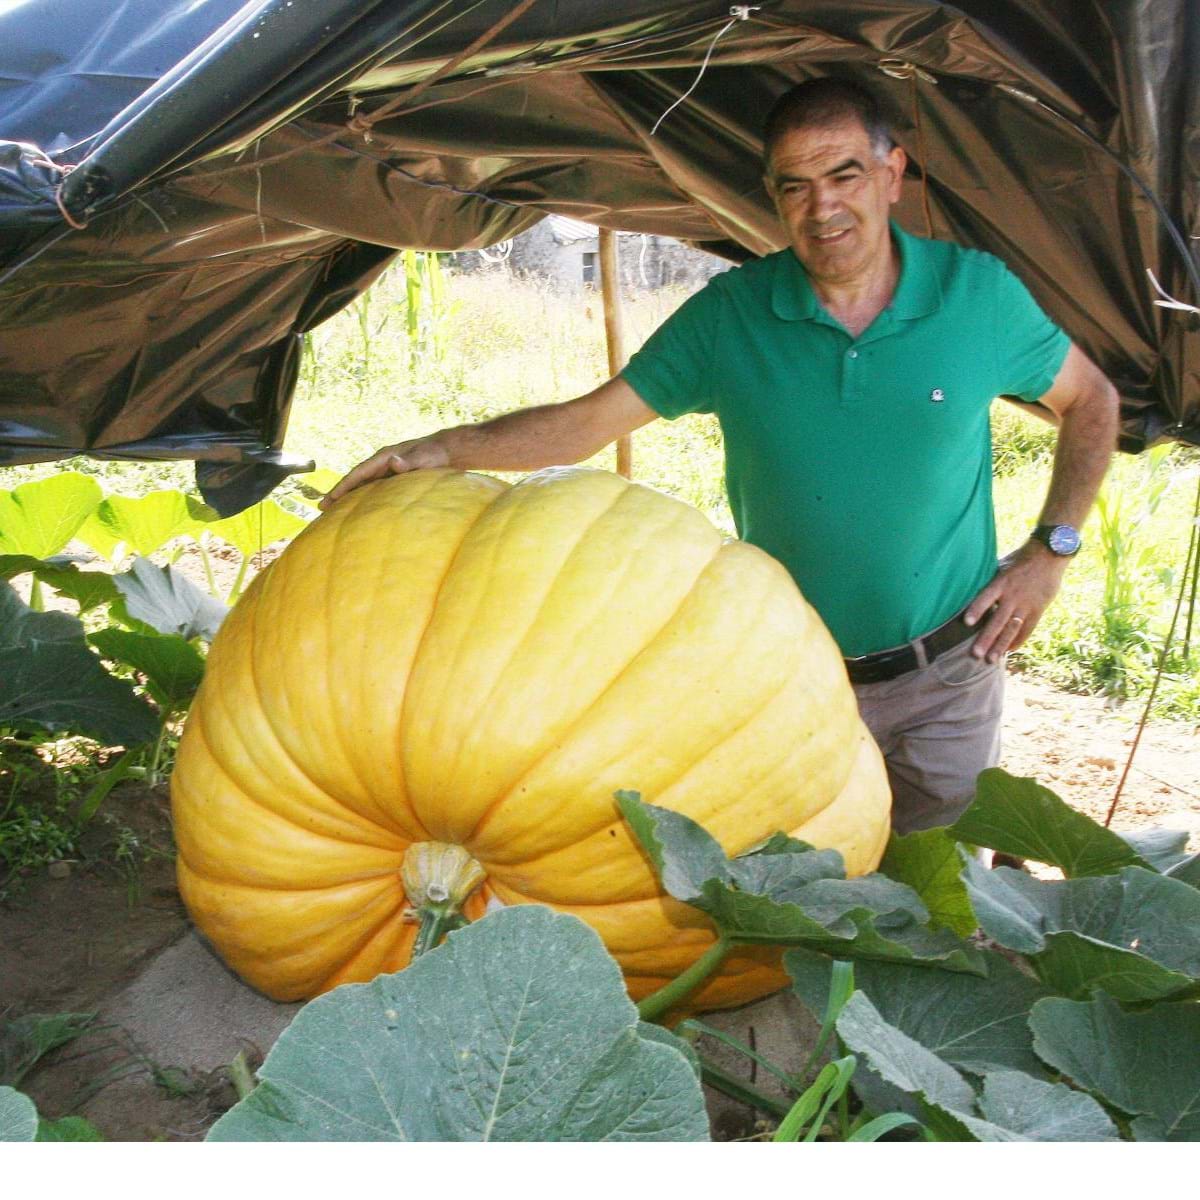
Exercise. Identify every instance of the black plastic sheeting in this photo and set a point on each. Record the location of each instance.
(230, 200)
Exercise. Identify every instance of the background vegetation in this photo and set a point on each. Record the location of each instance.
(429, 347)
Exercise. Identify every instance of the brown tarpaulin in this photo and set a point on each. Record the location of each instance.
(231, 194)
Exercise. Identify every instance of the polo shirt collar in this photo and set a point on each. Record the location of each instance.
(918, 291)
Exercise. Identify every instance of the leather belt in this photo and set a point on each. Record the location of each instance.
(888, 664)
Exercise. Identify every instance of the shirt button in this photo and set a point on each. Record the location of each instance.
(852, 354)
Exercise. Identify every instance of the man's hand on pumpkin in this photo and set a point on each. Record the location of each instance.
(391, 460)
(1010, 607)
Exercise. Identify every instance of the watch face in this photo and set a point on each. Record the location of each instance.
(1063, 539)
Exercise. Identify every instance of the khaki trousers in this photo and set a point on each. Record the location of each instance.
(937, 727)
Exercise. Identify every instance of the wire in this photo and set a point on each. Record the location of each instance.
(1193, 550)
(739, 12)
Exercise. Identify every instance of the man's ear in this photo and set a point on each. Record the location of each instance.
(896, 161)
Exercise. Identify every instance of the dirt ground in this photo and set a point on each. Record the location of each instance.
(1078, 747)
(73, 941)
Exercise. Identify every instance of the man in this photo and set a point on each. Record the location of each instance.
(852, 375)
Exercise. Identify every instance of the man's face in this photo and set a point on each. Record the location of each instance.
(833, 195)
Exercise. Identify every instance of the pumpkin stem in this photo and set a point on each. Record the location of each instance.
(438, 877)
(660, 1003)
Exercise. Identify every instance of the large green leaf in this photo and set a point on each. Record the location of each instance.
(313, 486)
(143, 524)
(18, 1116)
(901, 1060)
(1161, 849)
(976, 1023)
(1021, 817)
(173, 667)
(1187, 871)
(257, 527)
(51, 680)
(784, 896)
(169, 602)
(62, 688)
(39, 518)
(930, 862)
(1146, 1064)
(1013, 1106)
(1016, 1108)
(21, 626)
(1133, 934)
(89, 589)
(517, 1029)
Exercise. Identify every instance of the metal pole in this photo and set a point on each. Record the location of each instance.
(614, 332)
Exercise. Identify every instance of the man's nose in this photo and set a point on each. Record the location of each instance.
(823, 201)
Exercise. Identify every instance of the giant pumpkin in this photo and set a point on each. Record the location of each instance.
(446, 673)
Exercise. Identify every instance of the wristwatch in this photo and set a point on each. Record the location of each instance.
(1063, 540)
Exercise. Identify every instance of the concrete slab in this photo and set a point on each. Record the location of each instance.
(187, 1009)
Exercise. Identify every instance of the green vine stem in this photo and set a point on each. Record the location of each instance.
(435, 922)
(235, 592)
(659, 1003)
(214, 591)
(152, 771)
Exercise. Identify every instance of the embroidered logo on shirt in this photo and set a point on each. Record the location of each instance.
(937, 395)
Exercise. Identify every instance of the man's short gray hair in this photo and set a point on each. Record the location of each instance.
(819, 103)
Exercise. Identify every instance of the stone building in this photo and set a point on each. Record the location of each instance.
(566, 253)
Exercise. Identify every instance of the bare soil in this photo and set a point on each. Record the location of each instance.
(70, 942)
(1078, 747)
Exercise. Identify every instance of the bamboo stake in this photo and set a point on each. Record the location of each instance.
(614, 332)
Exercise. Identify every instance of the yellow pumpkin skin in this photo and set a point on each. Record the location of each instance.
(444, 657)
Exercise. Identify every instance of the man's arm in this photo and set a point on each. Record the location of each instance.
(545, 436)
(1086, 407)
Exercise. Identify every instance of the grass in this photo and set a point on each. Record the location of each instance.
(381, 372)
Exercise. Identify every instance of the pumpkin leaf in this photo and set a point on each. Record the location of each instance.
(89, 589)
(40, 517)
(1012, 1106)
(792, 898)
(901, 1060)
(930, 862)
(1187, 871)
(1142, 1063)
(51, 680)
(143, 524)
(976, 1023)
(650, 1032)
(22, 626)
(257, 527)
(1023, 818)
(479, 1040)
(312, 486)
(1016, 1107)
(1161, 849)
(173, 667)
(168, 602)
(18, 1116)
(61, 687)
(1132, 934)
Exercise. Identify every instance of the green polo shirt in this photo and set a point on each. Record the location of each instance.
(862, 464)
